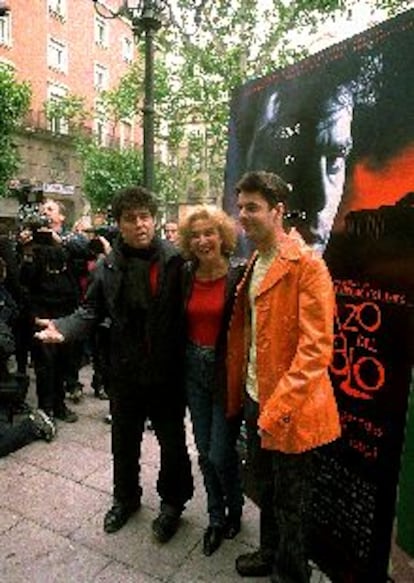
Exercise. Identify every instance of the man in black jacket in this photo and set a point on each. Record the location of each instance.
(48, 274)
(138, 286)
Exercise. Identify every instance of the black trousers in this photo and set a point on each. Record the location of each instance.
(50, 363)
(284, 486)
(129, 410)
(13, 437)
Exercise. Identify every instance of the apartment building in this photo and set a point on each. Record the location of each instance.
(63, 47)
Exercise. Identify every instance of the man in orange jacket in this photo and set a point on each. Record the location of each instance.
(280, 346)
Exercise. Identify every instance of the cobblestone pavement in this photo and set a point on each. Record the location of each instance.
(53, 498)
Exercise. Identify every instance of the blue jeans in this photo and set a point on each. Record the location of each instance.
(215, 437)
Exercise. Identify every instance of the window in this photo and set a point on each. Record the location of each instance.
(127, 49)
(101, 77)
(57, 55)
(125, 135)
(5, 30)
(101, 32)
(57, 8)
(56, 124)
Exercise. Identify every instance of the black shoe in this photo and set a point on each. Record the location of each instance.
(232, 527)
(118, 515)
(257, 564)
(166, 524)
(213, 538)
(66, 414)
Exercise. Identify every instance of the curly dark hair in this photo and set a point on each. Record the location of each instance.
(131, 198)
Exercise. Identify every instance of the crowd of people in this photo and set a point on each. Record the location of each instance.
(176, 320)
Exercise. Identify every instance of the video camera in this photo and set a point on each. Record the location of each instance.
(22, 210)
(32, 219)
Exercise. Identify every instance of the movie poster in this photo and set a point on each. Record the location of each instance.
(339, 128)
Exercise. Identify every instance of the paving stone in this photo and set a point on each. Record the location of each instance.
(134, 545)
(8, 519)
(32, 553)
(116, 572)
(62, 457)
(219, 567)
(49, 499)
(101, 479)
(89, 431)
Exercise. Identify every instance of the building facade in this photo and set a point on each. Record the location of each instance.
(64, 48)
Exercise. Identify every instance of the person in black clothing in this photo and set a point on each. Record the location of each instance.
(139, 287)
(13, 385)
(48, 273)
(36, 425)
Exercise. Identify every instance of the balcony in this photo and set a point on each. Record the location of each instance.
(37, 122)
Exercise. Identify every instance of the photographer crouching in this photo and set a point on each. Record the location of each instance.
(13, 386)
(48, 274)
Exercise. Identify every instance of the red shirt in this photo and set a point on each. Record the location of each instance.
(205, 310)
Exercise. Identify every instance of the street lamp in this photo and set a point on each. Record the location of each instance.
(145, 16)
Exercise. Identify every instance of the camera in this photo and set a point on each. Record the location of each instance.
(95, 246)
(33, 220)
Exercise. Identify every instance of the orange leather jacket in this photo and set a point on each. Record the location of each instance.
(295, 309)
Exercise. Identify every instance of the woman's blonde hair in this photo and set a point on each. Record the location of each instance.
(225, 225)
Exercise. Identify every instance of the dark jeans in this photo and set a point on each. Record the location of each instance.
(13, 437)
(215, 437)
(284, 482)
(130, 407)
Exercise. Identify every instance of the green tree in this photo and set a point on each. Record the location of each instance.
(106, 170)
(14, 103)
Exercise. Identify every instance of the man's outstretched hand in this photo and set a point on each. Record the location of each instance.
(49, 333)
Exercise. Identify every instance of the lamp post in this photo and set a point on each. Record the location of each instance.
(145, 17)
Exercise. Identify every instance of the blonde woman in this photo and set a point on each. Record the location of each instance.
(207, 238)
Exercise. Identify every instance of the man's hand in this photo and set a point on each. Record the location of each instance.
(25, 236)
(106, 246)
(50, 334)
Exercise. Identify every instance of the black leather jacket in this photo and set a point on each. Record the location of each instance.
(155, 356)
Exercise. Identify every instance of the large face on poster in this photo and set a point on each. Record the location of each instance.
(339, 128)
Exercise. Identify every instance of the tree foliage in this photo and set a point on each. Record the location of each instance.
(106, 170)
(14, 103)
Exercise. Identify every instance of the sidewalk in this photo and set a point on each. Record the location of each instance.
(53, 498)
